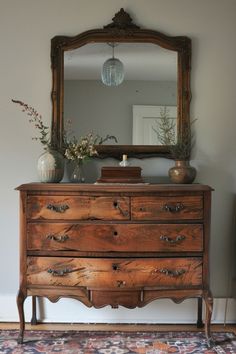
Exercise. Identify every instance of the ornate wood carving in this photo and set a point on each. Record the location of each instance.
(121, 24)
(122, 29)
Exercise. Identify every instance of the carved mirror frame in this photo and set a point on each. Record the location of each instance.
(122, 29)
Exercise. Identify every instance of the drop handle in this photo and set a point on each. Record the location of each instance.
(120, 283)
(58, 208)
(62, 238)
(173, 208)
(171, 240)
(116, 205)
(58, 273)
(115, 267)
(172, 273)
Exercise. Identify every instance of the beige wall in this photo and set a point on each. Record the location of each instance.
(26, 27)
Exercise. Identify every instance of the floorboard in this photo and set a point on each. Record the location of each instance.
(115, 327)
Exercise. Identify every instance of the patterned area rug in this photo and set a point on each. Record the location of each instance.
(84, 342)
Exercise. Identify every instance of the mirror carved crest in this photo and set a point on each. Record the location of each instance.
(122, 30)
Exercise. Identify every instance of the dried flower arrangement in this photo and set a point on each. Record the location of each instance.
(36, 119)
(75, 150)
(180, 148)
(50, 164)
(165, 128)
(83, 149)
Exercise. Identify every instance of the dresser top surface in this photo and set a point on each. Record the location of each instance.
(113, 187)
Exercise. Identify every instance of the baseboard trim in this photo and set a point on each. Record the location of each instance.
(162, 311)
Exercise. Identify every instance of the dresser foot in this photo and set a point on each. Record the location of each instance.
(210, 342)
(20, 338)
(209, 308)
(34, 314)
(20, 304)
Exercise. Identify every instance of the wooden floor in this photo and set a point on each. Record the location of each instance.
(116, 327)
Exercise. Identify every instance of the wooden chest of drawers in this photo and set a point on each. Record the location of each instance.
(114, 244)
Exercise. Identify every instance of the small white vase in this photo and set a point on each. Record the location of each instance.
(50, 166)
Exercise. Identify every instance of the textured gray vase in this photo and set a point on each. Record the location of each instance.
(50, 166)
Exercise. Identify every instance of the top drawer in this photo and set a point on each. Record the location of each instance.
(167, 208)
(78, 208)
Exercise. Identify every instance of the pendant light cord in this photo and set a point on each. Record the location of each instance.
(113, 50)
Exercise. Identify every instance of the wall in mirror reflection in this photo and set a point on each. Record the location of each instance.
(92, 106)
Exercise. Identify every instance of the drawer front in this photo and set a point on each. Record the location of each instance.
(113, 273)
(115, 237)
(167, 208)
(115, 298)
(78, 207)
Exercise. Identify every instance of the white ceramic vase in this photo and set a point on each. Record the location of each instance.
(50, 166)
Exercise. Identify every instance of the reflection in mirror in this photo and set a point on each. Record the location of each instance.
(152, 125)
(150, 80)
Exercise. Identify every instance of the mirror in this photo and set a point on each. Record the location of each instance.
(156, 78)
(126, 110)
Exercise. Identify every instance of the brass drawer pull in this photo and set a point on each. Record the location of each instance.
(62, 238)
(58, 208)
(117, 206)
(115, 267)
(120, 283)
(171, 240)
(58, 273)
(173, 208)
(172, 273)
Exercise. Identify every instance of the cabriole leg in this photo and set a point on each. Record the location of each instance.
(209, 308)
(34, 313)
(20, 304)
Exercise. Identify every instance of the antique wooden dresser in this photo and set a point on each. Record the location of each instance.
(114, 244)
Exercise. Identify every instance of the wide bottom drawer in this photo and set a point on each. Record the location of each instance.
(115, 273)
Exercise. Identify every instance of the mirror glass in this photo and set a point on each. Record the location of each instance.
(131, 111)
